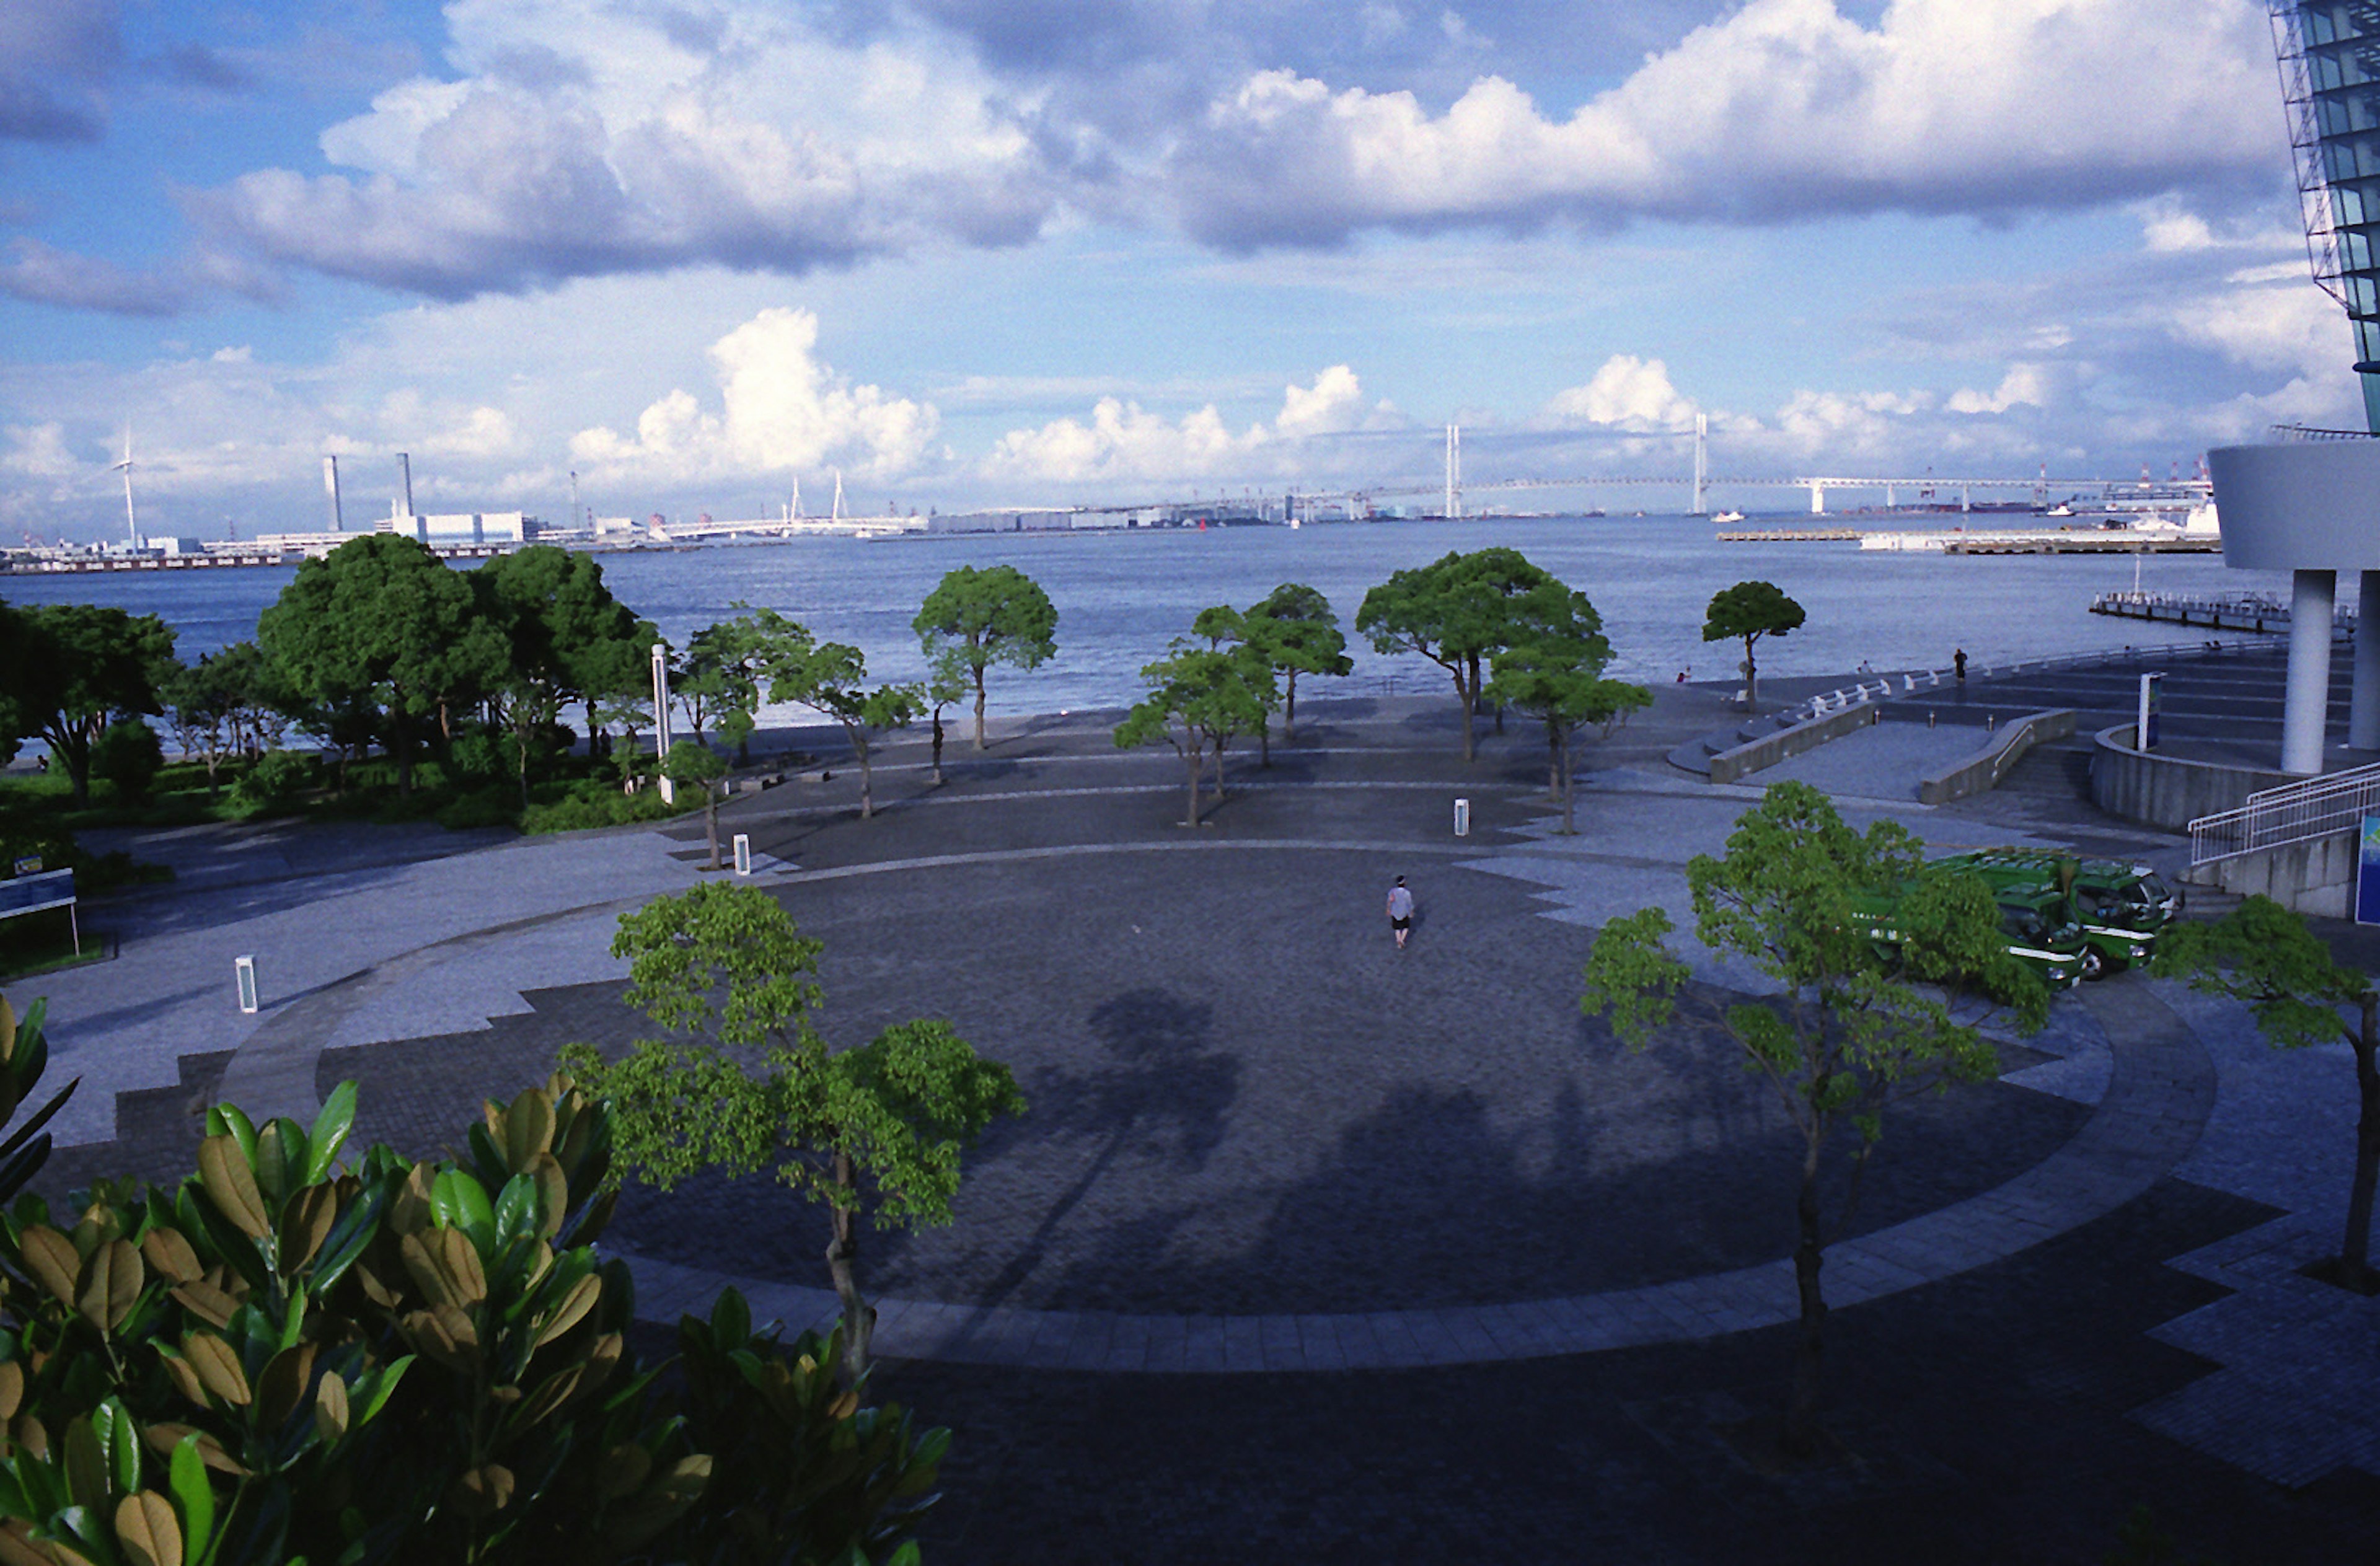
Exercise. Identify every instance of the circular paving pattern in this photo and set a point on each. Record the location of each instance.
(1246, 1099)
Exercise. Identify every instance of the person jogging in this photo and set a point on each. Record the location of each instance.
(1401, 907)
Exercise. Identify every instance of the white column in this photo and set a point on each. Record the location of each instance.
(1817, 498)
(2363, 705)
(2305, 704)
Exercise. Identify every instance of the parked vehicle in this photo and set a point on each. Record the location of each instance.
(2037, 920)
(2121, 907)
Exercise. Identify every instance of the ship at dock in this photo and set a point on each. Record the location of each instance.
(2177, 516)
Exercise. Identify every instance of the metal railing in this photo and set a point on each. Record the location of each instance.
(2273, 818)
(1909, 682)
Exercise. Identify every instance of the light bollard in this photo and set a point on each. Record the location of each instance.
(742, 854)
(243, 971)
(1462, 818)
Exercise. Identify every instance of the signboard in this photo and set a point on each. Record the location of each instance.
(2152, 692)
(742, 854)
(30, 864)
(1462, 818)
(30, 894)
(2367, 873)
(243, 972)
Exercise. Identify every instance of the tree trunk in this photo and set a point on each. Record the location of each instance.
(711, 820)
(401, 735)
(1553, 760)
(842, 1251)
(1569, 790)
(1800, 1434)
(938, 747)
(2355, 1253)
(1198, 755)
(978, 708)
(1289, 711)
(867, 773)
(1751, 677)
(1464, 691)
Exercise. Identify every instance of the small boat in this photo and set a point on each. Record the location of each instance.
(1728, 516)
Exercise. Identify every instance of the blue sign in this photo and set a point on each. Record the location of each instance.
(30, 894)
(2367, 873)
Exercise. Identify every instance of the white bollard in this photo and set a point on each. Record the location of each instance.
(742, 854)
(1462, 818)
(244, 972)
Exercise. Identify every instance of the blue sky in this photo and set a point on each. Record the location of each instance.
(1036, 252)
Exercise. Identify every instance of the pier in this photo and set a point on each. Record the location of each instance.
(2243, 611)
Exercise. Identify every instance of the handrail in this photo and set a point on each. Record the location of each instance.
(2273, 818)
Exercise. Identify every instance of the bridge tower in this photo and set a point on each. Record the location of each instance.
(1702, 461)
(1453, 472)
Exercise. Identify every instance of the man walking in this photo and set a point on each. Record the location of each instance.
(1401, 906)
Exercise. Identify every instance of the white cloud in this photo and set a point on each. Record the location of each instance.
(1780, 109)
(1123, 440)
(1633, 393)
(37, 451)
(781, 411)
(2024, 384)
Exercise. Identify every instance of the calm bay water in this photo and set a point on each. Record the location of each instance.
(1122, 596)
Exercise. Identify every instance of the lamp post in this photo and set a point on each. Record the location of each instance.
(661, 723)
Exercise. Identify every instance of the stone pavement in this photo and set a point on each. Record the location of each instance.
(2189, 1127)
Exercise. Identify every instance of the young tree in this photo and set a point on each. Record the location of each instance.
(380, 624)
(75, 669)
(946, 682)
(1455, 612)
(1554, 671)
(997, 614)
(726, 663)
(833, 678)
(2262, 954)
(1750, 610)
(1299, 634)
(874, 1133)
(198, 705)
(1198, 699)
(1854, 1031)
(692, 764)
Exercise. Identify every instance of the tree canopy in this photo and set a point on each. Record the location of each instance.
(1456, 612)
(1553, 670)
(1298, 633)
(833, 678)
(69, 669)
(1750, 611)
(987, 615)
(383, 625)
(876, 1132)
(1198, 699)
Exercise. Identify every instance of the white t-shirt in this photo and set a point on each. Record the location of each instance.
(1400, 903)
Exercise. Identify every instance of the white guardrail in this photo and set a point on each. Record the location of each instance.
(1932, 679)
(2273, 818)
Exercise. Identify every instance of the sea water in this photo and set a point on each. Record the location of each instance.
(1123, 595)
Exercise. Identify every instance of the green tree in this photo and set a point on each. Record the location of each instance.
(1853, 1030)
(1198, 699)
(692, 764)
(1750, 610)
(1299, 635)
(726, 664)
(2262, 954)
(381, 626)
(947, 680)
(833, 678)
(1456, 612)
(1554, 671)
(995, 614)
(75, 668)
(875, 1133)
(566, 640)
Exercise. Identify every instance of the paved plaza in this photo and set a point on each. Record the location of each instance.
(1313, 1243)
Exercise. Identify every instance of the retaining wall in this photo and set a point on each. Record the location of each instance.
(2314, 877)
(2166, 791)
(1725, 766)
(1985, 770)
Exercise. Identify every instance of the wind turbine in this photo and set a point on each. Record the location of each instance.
(131, 523)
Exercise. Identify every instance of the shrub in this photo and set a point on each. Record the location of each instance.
(485, 807)
(276, 780)
(407, 1361)
(129, 755)
(597, 804)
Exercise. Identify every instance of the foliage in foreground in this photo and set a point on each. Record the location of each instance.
(283, 1361)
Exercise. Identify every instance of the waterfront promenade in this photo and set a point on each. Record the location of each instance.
(1311, 1243)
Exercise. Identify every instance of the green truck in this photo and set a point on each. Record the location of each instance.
(2119, 906)
(2038, 922)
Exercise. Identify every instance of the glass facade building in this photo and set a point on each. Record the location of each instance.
(2329, 52)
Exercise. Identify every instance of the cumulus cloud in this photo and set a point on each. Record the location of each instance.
(1633, 393)
(2025, 384)
(1123, 440)
(1781, 110)
(781, 411)
(639, 143)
